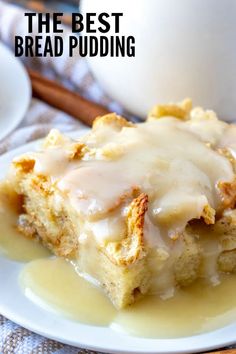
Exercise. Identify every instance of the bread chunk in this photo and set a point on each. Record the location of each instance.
(139, 207)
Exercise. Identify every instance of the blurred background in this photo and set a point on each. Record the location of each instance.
(66, 6)
(184, 50)
(53, 5)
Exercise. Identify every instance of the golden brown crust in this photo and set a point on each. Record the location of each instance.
(180, 110)
(76, 151)
(208, 215)
(113, 120)
(24, 164)
(131, 248)
(228, 194)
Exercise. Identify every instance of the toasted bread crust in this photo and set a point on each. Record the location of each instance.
(228, 194)
(180, 110)
(76, 151)
(112, 119)
(24, 164)
(208, 215)
(131, 248)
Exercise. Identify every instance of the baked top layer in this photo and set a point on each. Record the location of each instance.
(180, 163)
(134, 188)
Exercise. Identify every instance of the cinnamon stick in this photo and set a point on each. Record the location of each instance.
(65, 100)
(227, 351)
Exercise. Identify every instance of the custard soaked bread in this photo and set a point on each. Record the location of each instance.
(140, 208)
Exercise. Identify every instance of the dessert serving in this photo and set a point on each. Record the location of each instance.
(138, 208)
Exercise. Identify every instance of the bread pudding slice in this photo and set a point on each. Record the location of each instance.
(140, 208)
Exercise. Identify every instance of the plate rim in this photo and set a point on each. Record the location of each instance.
(124, 343)
(28, 87)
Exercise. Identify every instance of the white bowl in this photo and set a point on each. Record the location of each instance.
(183, 49)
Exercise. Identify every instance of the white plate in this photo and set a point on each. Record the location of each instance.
(15, 306)
(15, 91)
